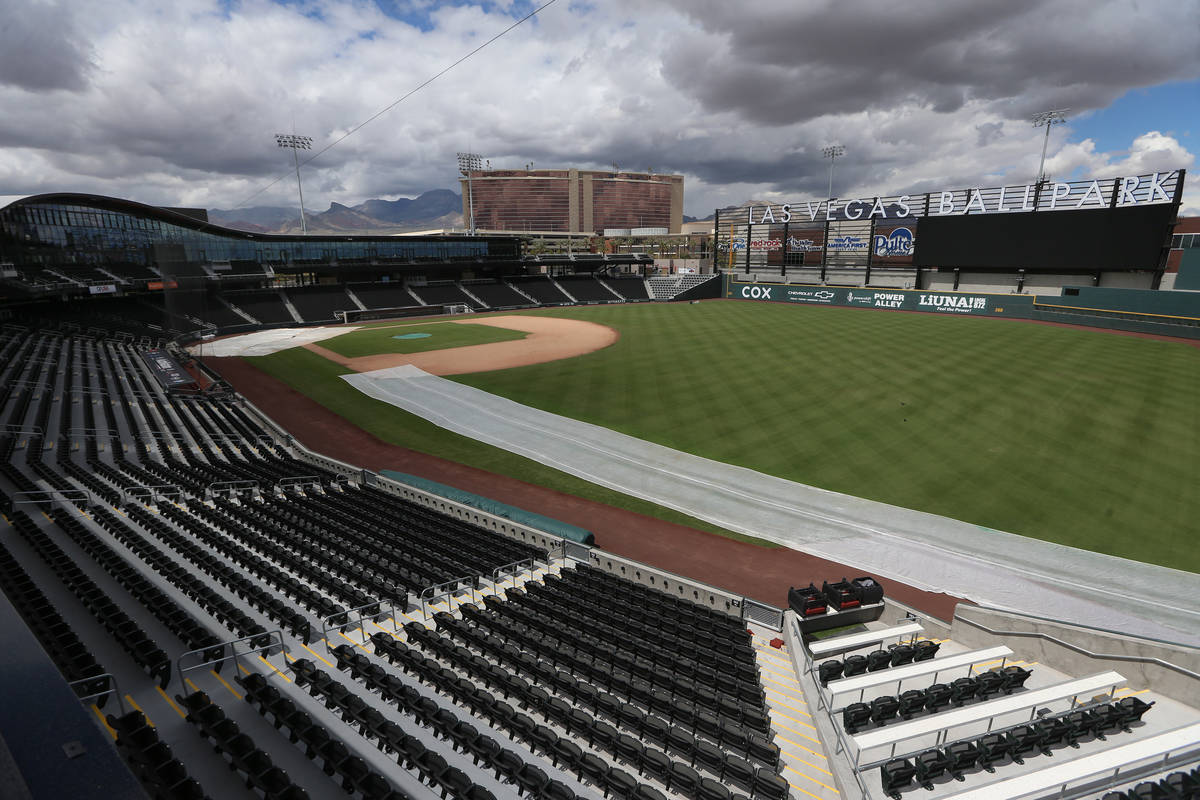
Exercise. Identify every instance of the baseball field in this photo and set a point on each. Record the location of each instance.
(1079, 437)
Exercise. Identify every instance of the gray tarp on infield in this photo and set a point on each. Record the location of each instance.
(990, 567)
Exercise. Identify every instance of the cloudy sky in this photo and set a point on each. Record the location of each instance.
(176, 103)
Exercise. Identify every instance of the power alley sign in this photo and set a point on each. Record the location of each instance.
(893, 299)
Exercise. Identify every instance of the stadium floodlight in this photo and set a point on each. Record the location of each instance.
(468, 163)
(1047, 118)
(832, 152)
(294, 143)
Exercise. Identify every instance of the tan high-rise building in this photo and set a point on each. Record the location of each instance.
(572, 200)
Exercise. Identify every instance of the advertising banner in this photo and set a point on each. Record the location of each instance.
(890, 299)
(160, 285)
(168, 371)
(103, 288)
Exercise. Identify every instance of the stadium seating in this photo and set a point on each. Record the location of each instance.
(498, 294)
(265, 306)
(318, 303)
(631, 287)
(541, 289)
(177, 524)
(382, 295)
(586, 289)
(443, 293)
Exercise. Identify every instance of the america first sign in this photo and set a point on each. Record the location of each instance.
(1121, 192)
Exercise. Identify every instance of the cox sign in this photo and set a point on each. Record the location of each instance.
(757, 292)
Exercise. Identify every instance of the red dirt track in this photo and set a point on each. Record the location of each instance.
(756, 572)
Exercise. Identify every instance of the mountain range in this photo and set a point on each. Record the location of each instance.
(437, 208)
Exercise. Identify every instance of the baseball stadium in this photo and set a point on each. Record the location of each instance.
(894, 498)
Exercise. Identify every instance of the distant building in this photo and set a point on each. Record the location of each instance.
(572, 200)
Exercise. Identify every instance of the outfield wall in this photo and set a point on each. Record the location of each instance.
(1136, 310)
(974, 303)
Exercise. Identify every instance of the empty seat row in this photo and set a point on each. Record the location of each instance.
(1014, 744)
(934, 698)
(390, 737)
(127, 633)
(355, 774)
(73, 659)
(239, 749)
(894, 656)
(1180, 785)
(150, 759)
(701, 704)
(666, 751)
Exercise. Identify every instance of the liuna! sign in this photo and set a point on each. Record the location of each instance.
(890, 299)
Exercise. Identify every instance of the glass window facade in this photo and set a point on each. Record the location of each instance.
(62, 229)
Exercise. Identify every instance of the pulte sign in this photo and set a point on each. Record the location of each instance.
(891, 299)
(1120, 192)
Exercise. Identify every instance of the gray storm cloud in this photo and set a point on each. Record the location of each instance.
(178, 103)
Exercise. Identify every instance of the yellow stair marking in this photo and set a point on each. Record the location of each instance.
(789, 716)
(139, 708)
(315, 653)
(790, 676)
(273, 669)
(806, 791)
(798, 733)
(806, 748)
(170, 702)
(814, 780)
(351, 641)
(191, 685)
(226, 685)
(798, 697)
(104, 722)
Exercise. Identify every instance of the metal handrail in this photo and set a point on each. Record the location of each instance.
(69, 496)
(113, 688)
(372, 611)
(842, 746)
(278, 642)
(154, 492)
(514, 567)
(444, 589)
(1187, 673)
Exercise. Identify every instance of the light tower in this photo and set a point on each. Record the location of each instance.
(832, 152)
(1047, 118)
(294, 142)
(468, 163)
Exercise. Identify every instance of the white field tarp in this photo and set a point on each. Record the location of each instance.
(939, 554)
(263, 343)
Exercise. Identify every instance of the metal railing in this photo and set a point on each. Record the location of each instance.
(234, 488)
(1083, 651)
(275, 644)
(370, 612)
(514, 568)
(155, 493)
(66, 496)
(766, 615)
(88, 684)
(299, 481)
(839, 734)
(431, 594)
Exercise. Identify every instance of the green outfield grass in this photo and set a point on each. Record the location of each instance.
(379, 340)
(1079, 437)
